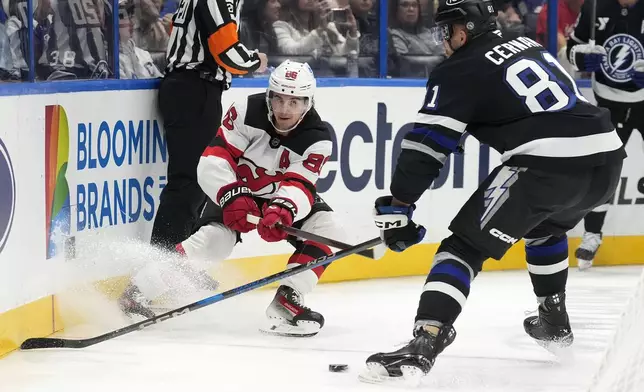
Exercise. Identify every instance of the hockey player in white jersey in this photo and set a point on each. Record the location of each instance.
(264, 161)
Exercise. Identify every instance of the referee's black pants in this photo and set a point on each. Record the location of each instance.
(190, 105)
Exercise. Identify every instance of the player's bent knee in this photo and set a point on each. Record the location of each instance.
(326, 224)
(460, 250)
(210, 244)
(447, 287)
(545, 241)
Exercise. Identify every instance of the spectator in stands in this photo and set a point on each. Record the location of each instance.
(7, 70)
(528, 11)
(134, 62)
(169, 7)
(77, 47)
(307, 29)
(508, 19)
(367, 20)
(416, 53)
(17, 33)
(567, 12)
(149, 31)
(257, 30)
(427, 12)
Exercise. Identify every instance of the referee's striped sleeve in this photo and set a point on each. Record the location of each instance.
(219, 20)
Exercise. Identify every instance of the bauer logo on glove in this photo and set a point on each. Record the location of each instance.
(234, 192)
(236, 202)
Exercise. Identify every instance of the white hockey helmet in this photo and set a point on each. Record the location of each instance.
(294, 79)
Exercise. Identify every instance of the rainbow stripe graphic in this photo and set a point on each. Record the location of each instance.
(58, 213)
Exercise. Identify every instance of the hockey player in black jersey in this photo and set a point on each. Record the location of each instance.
(617, 63)
(561, 157)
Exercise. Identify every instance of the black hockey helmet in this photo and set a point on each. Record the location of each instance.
(478, 17)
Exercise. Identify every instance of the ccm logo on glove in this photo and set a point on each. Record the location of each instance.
(386, 222)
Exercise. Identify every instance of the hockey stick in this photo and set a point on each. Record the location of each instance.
(375, 253)
(593, 17)
(36, 343)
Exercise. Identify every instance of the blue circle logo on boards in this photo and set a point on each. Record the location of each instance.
(7, 194)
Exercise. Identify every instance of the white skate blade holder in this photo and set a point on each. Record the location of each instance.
(375, 373)
(583, 265)
(378, 250)
(562, 352)
(279, 327)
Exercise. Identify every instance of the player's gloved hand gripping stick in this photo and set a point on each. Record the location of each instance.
(374, 253)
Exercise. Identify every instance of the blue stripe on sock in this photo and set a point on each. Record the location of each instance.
(539, 251)
(448, 269)
(442, 140)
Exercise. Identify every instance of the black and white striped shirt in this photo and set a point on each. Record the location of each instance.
(204, 37)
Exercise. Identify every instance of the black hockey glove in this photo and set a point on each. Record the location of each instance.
(396, 227)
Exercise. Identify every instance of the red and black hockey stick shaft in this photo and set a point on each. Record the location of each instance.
(369, 253)
(37, 343)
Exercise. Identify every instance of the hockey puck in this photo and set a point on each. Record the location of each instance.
(338, 368)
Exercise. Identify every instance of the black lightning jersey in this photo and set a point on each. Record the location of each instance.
(620, 30)
(514, 96)
(77, 43)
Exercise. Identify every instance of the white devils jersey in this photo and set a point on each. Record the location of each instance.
(248, 149)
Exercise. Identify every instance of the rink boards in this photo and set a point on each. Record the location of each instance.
(88, 167)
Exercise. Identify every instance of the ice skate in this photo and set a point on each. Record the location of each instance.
(551, 328)
(585, 254)
(410, 363)
(133, 302)
(287, 315)
(201, 279)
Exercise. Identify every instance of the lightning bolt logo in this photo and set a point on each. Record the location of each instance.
(498, 191)
(623, 50)
(623, 53)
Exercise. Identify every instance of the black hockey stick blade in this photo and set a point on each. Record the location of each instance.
(37, 343)
(372, 253)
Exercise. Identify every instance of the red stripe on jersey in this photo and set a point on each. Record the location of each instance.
(299, 258)
(220, 152)
(300, 186)
(297, 176)
(234, 151)
(322, 247)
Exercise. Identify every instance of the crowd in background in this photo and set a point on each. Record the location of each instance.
(338, 38)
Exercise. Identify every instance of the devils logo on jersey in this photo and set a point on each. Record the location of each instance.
(258, 179)
(622, 51)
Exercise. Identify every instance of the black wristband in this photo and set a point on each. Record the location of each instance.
(232, 193)
(284, 203)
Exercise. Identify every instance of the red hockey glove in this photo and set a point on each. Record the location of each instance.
(276, 211)
(236, 201)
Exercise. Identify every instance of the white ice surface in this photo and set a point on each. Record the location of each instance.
(219, 349)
